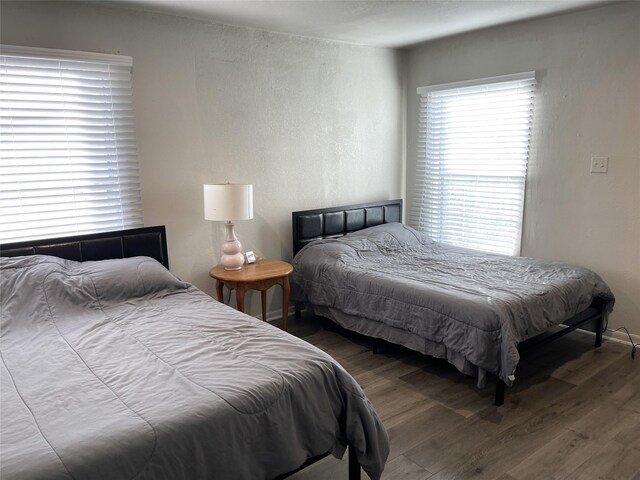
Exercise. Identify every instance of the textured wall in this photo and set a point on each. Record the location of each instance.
(588, 104)
(313, 123)
(310, 123)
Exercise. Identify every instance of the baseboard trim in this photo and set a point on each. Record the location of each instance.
(273, 315)
(609, 334)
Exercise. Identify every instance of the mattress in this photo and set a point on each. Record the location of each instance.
(472, 308)
(118, 370)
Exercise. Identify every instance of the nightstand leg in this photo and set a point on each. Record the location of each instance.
(219, 291)
(285, 302)
(240, 291)
(263, 297)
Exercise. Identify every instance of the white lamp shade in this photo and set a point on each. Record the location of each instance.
(228, 202)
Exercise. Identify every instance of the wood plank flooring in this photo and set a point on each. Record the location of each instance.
(573, 413)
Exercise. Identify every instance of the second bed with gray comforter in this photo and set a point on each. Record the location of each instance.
(472, 308)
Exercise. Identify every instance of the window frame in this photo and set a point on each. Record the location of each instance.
(445, 138)
(106, 156)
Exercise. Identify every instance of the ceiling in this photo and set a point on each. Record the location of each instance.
(379, 23)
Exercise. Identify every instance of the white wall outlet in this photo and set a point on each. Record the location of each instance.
(599, 164)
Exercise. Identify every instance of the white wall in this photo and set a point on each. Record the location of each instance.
(588, 104)
(313, 123)
(310, 123)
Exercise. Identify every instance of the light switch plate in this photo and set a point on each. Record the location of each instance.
(599, 164)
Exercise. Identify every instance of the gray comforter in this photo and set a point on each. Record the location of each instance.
(472, 308)
(118, 370)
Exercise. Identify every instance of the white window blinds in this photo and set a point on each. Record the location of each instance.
(473, 149)
(68, 160)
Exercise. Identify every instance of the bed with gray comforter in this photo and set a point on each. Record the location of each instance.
(472, 308)
(118, 370)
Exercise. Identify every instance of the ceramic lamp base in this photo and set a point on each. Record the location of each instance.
(232, 258)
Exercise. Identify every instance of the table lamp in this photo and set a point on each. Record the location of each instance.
(229, 202)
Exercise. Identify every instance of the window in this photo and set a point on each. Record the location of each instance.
(67, 144)
(473, 149)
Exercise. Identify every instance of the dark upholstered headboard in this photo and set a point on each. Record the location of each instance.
(148, 241)
(310, 225)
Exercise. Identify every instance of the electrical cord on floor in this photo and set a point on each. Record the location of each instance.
(634, 346)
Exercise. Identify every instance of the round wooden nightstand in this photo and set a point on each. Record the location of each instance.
(261, 275)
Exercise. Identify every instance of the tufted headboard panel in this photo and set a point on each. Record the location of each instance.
(148, 241)
(310, 225)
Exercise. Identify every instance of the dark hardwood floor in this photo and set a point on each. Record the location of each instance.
(573, 413)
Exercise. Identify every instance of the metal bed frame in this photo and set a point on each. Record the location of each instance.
(334, 222)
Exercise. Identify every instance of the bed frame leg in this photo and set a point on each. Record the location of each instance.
(601, 321)
(354, 466)
(599, 327)
(499, 392)
(297, 310)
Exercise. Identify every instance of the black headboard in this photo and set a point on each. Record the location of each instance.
(148, 241)
(309, 225)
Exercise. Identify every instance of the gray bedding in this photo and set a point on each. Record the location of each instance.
(118, 370)
(471, 308)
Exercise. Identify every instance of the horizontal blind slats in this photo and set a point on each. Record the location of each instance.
(49, 231)
(68, 161)
(473, 144)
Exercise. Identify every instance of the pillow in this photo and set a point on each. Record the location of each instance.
(122, 279)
